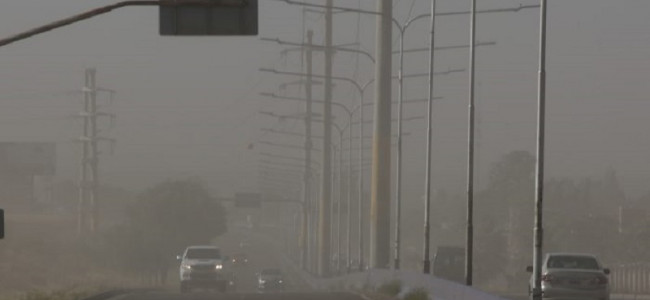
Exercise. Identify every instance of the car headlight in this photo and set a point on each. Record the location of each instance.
(262, 281)
(186, 267)
(218, 267)
(280, 281)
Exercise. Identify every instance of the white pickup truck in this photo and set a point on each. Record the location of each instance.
(203, 267)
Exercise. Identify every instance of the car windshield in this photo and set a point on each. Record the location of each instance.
(205, 253)
(572, 262)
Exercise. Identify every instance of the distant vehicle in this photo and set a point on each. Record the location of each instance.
(270, 280)
(239, 259)
(575, 276)
(203, 267)
(449, 263)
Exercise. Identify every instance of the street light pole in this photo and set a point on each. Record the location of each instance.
(398, 179)
(340, 199)
(427, 191)
(539, 175)
(348, 252)
(360, 187)
(308, 145)
(381, 162)
(469, 235)
(326, 180)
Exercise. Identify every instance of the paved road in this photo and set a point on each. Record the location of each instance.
(241, 296)
(612, 297)
(261, 255)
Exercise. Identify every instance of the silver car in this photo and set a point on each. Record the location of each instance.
(572, 276)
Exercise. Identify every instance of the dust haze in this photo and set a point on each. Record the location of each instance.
(191, 130)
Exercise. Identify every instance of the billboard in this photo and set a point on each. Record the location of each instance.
(31, 158)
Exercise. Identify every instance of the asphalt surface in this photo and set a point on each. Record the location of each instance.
(240, 296)
(612, 297)
(262, 253)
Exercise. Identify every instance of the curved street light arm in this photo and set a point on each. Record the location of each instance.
(319, 47)
(106, 9)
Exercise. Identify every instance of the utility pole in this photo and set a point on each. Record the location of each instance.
(94, 159)
(338, 206)
(308, 146)
(326, 178)
(539, 174)
(360, 188)
(426, 261)
(348, 252)
(380, 185)
(469, 235)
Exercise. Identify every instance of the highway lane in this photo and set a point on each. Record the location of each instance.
(612, 297)
(241, 296)
(261, 254)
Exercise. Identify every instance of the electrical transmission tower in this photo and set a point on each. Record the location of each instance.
(88, 205)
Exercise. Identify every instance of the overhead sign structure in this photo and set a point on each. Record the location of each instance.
(225, 18)
(248, 200)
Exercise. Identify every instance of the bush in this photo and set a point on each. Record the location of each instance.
(392, 288)
(62, 294)
(417, 294)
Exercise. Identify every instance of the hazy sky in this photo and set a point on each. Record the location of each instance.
(189, 106)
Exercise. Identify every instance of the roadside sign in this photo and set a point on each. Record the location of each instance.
(235, 17)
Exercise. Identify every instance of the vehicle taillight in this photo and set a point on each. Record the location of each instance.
(547, 278)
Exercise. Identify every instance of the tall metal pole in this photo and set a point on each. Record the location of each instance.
(539, 176)
(94, 151)
(348, 252)
(469, 235)
(333, 202)
(427, 191)
(398, 179)
(314, 224)
(324, 213)
(381, 160)
(83, 175)
(306, 233)
(360, 187)
(338, 206)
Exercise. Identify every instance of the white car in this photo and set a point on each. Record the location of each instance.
(573, 276)
(202, 267)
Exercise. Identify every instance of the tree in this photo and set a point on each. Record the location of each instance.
(162, 222)
(507, 200)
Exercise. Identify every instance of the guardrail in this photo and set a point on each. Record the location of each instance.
(633, 278)
(438, 289)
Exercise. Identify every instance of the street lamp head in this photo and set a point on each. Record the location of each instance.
(277, 40)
